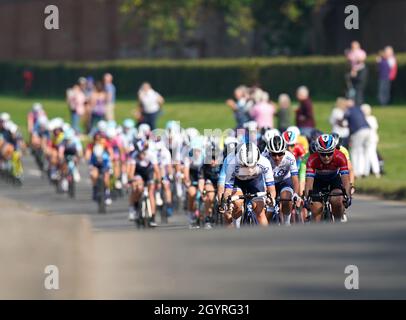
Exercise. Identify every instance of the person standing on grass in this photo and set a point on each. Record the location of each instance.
(262, 112)
(98, 104)
(360, 134)
(150, 104)
(393, 64)
(238, 106)
(384, 82)
(358, 73)
(304, 114)
(337, 125)
(283, 113)
(76, 102)
(372, 154)
(111, 95)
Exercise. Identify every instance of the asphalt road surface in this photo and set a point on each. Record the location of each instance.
(172, 262)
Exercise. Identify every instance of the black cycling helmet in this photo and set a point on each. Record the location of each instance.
(336, 137)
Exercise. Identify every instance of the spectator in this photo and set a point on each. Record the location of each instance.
(359, 137)
(262, 112)
(304, 114)
(76, 102)
(111, 95)
(98, 104)
(393, 64)
(239, 106)
(28, 77)
(150, 103)
(283, 113)
(372, 157)
(87, 85)
(357, 77)
(384, 82)
(337, 125)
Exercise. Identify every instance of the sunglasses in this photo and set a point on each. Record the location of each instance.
(326, 154)
(280, 154)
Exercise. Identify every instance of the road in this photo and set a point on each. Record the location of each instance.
(172, 262)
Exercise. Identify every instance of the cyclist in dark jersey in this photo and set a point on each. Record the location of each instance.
(210, 173)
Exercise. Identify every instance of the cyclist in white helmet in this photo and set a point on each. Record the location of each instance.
(249, 172)
(285, 175)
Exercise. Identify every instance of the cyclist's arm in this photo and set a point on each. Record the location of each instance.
(272, 191)
(308, 185)
(352, 175)
(345, 179)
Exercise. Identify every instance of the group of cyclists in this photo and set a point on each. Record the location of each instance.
(205, 175)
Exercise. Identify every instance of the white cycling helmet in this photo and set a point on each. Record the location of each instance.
(5, 117)
(144, 129)
(12, 127)
(129, 123)
(270, 133)
(69, 134)
(102, 126)
(290, 137)
(276, 144)
(66, 126)
(295, 129)
(326, 143)
(56, 123)
(248, 154)
(98, 150)
(111, 132)
(37, 107)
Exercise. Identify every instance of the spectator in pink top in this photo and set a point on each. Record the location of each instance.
(263, 110)
(357, 77)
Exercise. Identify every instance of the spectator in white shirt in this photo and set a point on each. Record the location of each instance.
(150, 103)
(372, 153)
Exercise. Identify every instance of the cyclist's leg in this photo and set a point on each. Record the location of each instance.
(254, 186)
(94, 175)
(316, 206)
(337, 206)
(286, 193)
(191, 206)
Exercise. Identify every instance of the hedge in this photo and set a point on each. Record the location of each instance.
(208, 78)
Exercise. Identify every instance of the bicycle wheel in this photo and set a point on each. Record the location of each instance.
(101, 196)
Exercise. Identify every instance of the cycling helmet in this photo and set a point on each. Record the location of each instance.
(12, 127)
(295, 129)
(276, 144)
(66, 126)
(69, 134)
(315, 134)
(56, 123)
(111, 124)
(111, 132)
(248, 154)
(37, 107)
(144, 129)
(172, 125)
(326, 143)
(336, 137)
(313, 146)
(128, 123)
(102, 126)
(5, 117)
(268, 134)
(119, 130)
(290, 137)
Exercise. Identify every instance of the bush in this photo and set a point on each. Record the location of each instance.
(209, 78)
